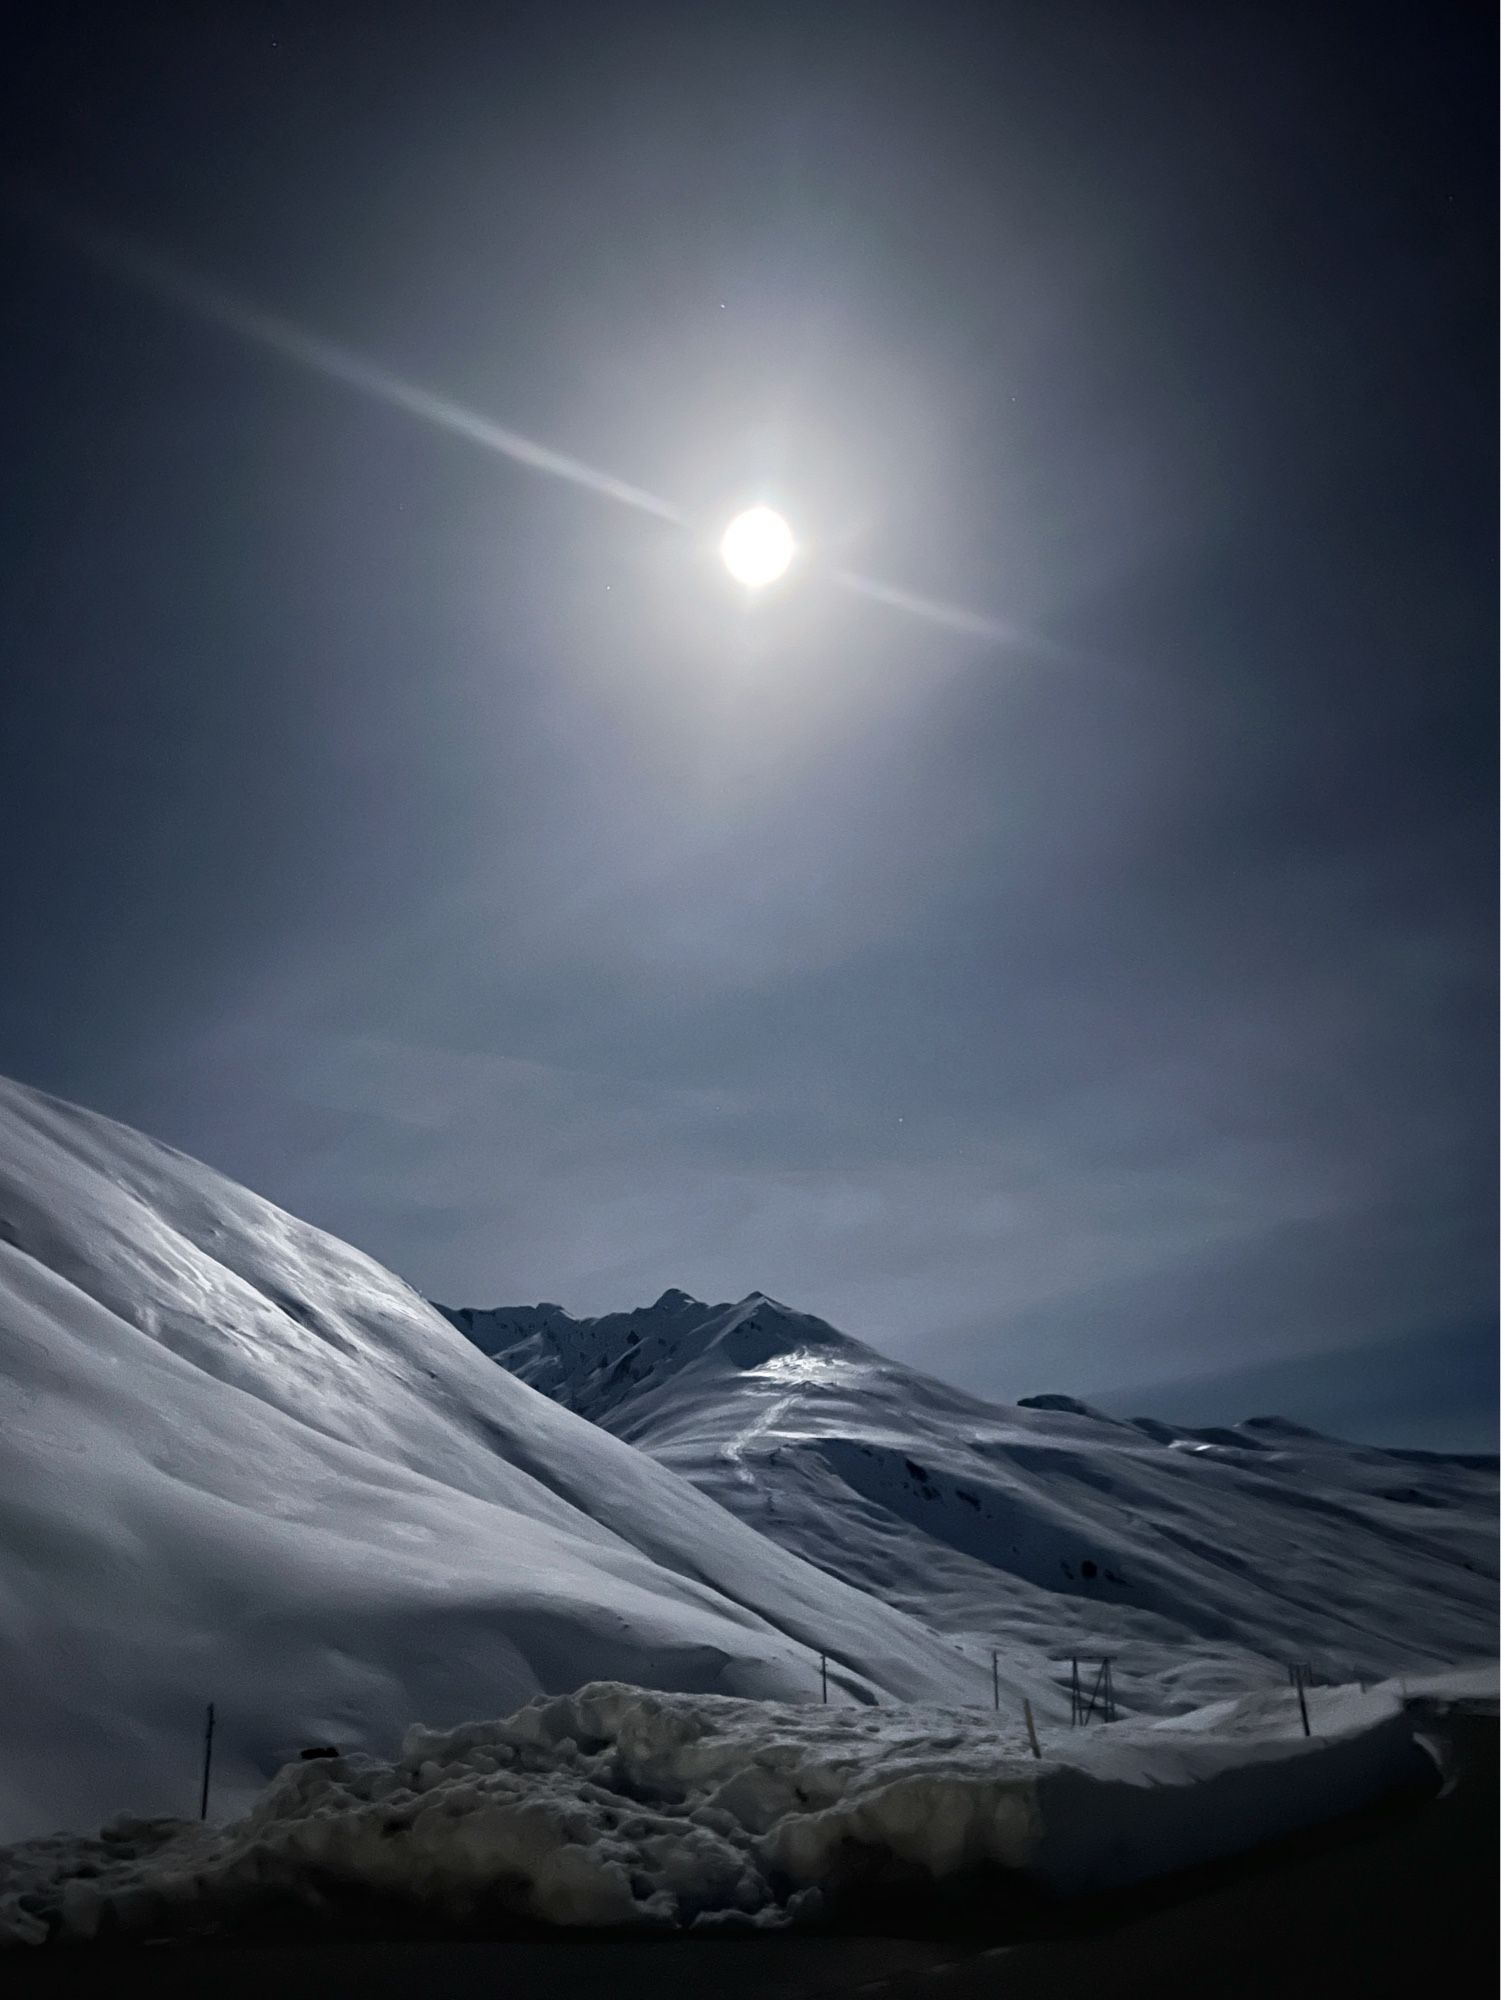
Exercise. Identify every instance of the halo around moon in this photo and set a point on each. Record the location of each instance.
(757, 547)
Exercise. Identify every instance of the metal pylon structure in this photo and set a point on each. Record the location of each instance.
(1098, 1699)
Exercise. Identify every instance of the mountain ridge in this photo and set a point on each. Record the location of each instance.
(494, 1328)
(1198, 1556)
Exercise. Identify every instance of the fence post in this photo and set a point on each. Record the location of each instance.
(1300, 1683)
(823, 1670)
(1075, 1695)
(208, 1758)
(1031, 1728)
(995, 1678)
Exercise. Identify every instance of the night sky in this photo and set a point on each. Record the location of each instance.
(455, 855)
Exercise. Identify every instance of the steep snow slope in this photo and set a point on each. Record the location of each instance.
(241, 1463)
(1201, 1560)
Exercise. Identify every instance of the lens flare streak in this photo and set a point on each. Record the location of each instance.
(168, 279)
(951, 615)
(162, 275)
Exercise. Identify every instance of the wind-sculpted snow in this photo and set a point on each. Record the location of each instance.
(616, 1807)
(1201, 1561)
(241, 1463)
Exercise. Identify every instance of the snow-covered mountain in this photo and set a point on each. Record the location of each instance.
(1202, 1561)
(241, 1463)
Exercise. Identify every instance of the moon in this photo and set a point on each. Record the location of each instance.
(757, 547)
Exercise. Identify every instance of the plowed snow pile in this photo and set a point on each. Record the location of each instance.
(615, 1806)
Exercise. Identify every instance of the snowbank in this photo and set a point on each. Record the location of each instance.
(618, 1807)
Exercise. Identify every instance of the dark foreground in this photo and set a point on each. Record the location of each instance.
(1397, 1902)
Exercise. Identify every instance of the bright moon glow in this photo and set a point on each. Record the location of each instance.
(757, 547)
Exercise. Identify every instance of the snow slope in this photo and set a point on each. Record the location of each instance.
(1203, 1561)
(616, 1807)
(241, 1463)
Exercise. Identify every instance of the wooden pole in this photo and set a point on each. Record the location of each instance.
(995, 1678)
(208, 1759)
(1031, 1728)
(823, 1669)
(1301, 1684)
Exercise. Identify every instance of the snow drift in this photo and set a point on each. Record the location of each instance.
(615, 1807)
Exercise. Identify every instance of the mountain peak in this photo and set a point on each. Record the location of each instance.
(755, 1301)
(1282, 1426)
(1041, 1516)
(1066, 1405)
(604, 1367)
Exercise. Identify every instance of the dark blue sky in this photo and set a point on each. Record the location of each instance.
(445, 850)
